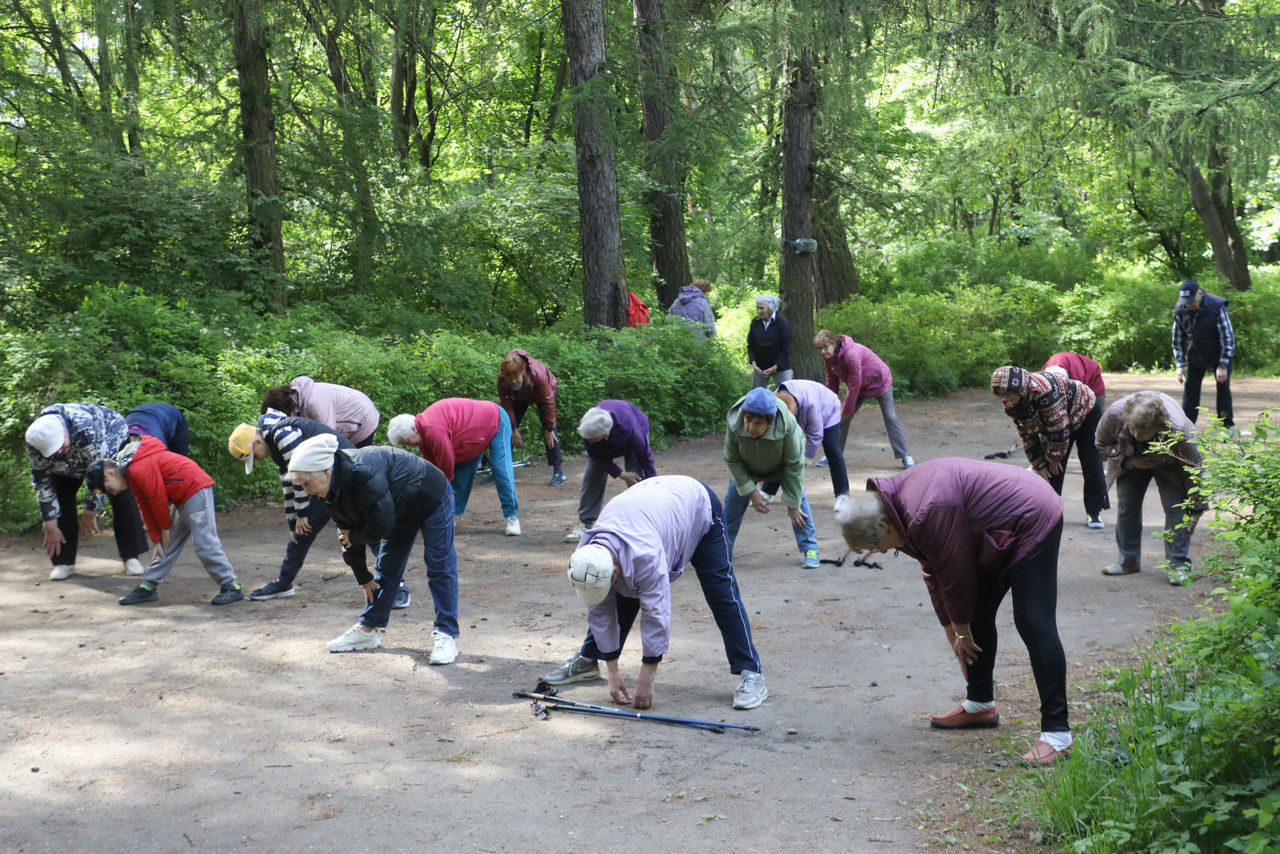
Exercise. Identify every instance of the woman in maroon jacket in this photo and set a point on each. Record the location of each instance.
(979, 531)
(524, 381)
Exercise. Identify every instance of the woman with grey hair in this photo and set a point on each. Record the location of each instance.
(979, 531)
(769, 343)
(609, 430)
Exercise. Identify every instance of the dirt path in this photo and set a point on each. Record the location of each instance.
(180, 726)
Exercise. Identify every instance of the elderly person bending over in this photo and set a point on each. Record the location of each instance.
(626, 565)
(865, 376)
(817, 411)
(1052, 413)
(764, 446)
(339, 407)
(162, 421)
(979, 531)
(609, 430)
(453, 434)
(1126, 434)
(383, 497)
(523, 381)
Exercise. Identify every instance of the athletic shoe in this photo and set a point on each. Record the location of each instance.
(908, 461)
(488, 479)
(575, 536)
(354, 639)
(403, 599)
(822, 463)
(230, 592)
(811, 559)
(577, 668)
(444, 649)
(558, 478)
(751, 691)
(958, 718)
(138, 595)
(1117, 569)
(1180, 577)
(278, 589)
(513, 526)
(1096, 524)
(133, 566)
(62, 572)
(1043, 754)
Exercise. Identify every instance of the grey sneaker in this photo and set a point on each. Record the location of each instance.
(1181, 577)
(575, 535)
(908, 461)
(578, 668)
(277, 589)
(228, 593)
(751, 691)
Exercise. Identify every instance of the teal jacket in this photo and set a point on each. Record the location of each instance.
(777, 455)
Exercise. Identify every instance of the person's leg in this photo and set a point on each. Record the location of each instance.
(464, 475)
(832, 447)
(980, 684)
(1130, 487)
(555, 456)
(1177, 548)
(628, 608)
(758, 381)
(393, 556)
(504, 476)
(1034, 582)
(1223, 401)
(806, 540)
(68, 518)
(441, 559)
(591, 498)
(781, 377)
(1095, 480)
(735, 506)
(897, 440)
(295, 551)
(711, 562)
(126, 525)
(1191, 391)
(179, 532)
(847, 419)
(199, 513)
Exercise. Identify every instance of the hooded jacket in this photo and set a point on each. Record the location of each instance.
(692, 304)
(96, 432)
(628, 436)
(1049, 411)
(817, 410)
(158, 477)
(346, 410)
(965, 521)
(778, 455)
(865, 373)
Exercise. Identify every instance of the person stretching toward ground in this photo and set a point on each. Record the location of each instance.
(346, 410)
(865, 376)
(158, 478)
(625, 567)
(609, 430)
(523, 381)
(164, 421)
(817, 411)
(382, 498)
(979, 530)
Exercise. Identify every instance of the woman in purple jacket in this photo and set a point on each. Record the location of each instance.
(979, 531)
(610, 430)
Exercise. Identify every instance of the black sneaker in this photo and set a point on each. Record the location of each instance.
(138, 595)
(277, 589)
(230, 592)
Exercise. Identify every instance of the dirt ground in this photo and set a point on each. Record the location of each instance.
(179, 726)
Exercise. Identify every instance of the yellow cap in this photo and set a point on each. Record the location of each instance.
(241, 445)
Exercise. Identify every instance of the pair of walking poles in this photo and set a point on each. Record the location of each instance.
(545, 701)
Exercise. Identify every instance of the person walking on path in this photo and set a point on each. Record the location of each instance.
(625, 567)
(348, 411)
(979, 531)
(1125, 436)
(817, 411)
(1052, 413)
(764, 447)
(523, 381)
(160, 479)
(769, 343)
(383, 498)
(164, 421)
(453, 434)
(1203, 339)
(865, 376)
(692, 304)
(610, 430)
(61, 445)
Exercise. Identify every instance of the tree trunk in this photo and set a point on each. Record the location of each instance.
(797, 270)
(1212, 202)
(604, 277)
(553, 108)
(667, 243)
(258, 128)
(836, 277)
(106, 76)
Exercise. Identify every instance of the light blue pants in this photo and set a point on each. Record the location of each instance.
(464, 474)
(735, 506)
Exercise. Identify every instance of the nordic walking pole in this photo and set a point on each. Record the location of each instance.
(555, 702)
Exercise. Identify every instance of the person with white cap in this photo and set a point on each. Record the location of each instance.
(61, 445)
(609, 430)
(625, 567)
(384, 497)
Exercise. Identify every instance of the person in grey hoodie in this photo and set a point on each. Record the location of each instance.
(692, 304)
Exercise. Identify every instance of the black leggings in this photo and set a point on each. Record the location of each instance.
(126, 524)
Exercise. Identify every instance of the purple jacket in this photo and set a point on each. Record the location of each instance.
(628, 436)
(967, 520)
(652, 529)
(861, 370)
(692, 304)
(346, 410)
(817, 408)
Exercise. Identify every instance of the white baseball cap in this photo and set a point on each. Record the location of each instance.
(47, 435)
(591, 573)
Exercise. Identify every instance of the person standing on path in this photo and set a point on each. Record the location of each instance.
(979, 530)
(865, 376)
(609, 430)
(523, 381)
(1203, 339)
(769, 343)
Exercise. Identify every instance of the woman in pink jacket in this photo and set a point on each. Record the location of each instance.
(865, 376)
(337, 407)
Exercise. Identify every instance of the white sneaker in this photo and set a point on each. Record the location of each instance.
(751, 691)
(444, 650)
(62, 571)
(133, 566)
(513, 526)
(576, 535)
(1096, 524)
(354, 639)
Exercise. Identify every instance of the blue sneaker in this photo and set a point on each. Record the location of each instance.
(811, 559)
(822, 463)
(403, 599)
(558, 478)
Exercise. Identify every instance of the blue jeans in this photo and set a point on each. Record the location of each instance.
(710, 560)
(317, 516)
(464, 474)
(442, 569)
(735, 506)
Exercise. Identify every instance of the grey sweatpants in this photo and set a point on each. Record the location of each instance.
(193, 520)
(897, 440)
(594, 479)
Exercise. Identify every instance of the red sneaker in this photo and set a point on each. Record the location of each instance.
(960, 719)
(1043, 754)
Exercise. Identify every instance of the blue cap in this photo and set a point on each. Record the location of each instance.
(760, 401)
